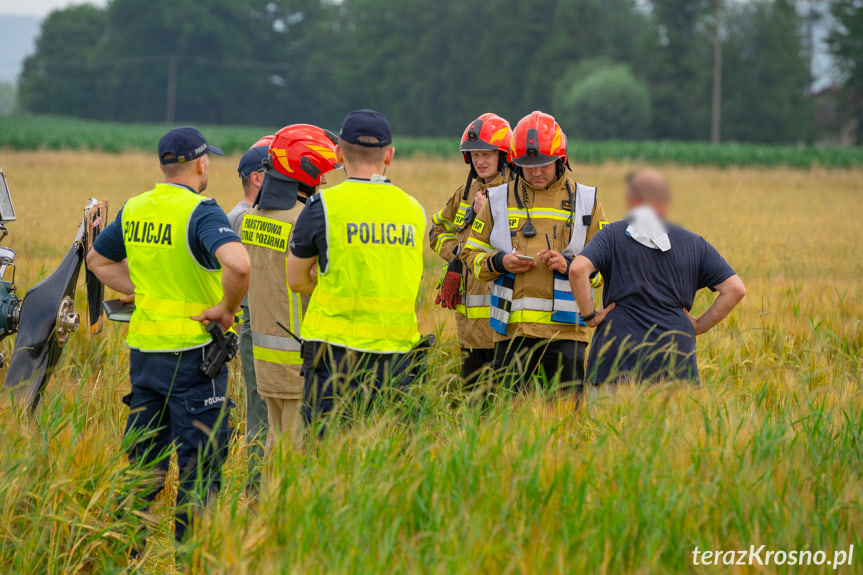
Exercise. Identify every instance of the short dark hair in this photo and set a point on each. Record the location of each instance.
(367, 155)
(174, 170)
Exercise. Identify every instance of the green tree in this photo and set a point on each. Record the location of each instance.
(609, 103)
(765, 74)
(846, 44)
(211, 45)
(678, 68)
(64, 75)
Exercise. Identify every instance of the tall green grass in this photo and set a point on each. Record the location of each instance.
(56, 133)
(631, 482)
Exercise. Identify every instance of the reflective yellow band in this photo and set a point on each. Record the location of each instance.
(440, 220)
(441, 239)
(183, 309)
(474, 312)
(479, 245)
(477, 265)
(277, 356)
(338, 329)
(167, 328)
(383, 305)
(530, 316)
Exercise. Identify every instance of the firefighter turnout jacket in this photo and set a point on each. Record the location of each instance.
(365, 298)
(448, 237)
(170, 284)
(538, 303)
(277, 353)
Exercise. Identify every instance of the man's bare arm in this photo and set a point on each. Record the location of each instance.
(731, 291)
(113, 274)
(300, 275)
(579, 280)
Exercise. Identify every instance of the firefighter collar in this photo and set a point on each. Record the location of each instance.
(277, 192)
(648, 229)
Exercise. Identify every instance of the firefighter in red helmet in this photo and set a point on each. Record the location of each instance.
(485, 146)
(299, 157)
(523, 241)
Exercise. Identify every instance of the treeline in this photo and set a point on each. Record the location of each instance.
(607, 68)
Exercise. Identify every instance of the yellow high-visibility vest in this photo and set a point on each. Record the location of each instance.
(170, 284)
(366, 297)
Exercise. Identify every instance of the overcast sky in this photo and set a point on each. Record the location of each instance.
(39, 7)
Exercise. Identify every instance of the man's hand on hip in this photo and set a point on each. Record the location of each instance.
(600, 315)
(218, 313)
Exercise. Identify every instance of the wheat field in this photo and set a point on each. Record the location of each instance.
(768, 451)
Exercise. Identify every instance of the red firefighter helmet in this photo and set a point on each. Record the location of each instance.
(537, 140)
(303, 152)
(488, 132)
(265, 141)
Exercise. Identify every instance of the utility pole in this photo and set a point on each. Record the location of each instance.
(171, 104)
(716, 115)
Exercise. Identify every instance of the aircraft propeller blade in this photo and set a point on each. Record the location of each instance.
(46, 321)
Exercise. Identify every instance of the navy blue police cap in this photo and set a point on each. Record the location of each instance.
(185, 144)
(252, 161)
(366, 128)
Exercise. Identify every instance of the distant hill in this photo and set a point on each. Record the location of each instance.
(17, 40)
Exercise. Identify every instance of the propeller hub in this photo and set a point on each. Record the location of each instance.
(68, 320)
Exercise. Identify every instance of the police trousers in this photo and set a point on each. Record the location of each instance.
(174, 405)
(349, 381)
(524, 360)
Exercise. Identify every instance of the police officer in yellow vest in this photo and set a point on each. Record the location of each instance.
(365, 238)
(523, 241)
(299, 157)
(175, 251)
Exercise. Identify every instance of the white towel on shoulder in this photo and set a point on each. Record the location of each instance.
(648, 229)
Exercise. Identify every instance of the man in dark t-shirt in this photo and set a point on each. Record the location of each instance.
(651, 272)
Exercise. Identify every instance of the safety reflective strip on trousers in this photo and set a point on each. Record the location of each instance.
(155, 229)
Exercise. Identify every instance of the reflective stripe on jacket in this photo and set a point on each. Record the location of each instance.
(266, 235)
(447, 238)
(498, 228)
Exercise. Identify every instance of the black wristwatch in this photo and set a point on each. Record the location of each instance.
(587, 318)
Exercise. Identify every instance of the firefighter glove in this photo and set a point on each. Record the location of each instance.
(449, 295)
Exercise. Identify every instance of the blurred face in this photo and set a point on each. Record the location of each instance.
(540, 176)
(485, 163)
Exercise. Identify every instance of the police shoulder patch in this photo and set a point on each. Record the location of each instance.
(478, 225)
(602, 224)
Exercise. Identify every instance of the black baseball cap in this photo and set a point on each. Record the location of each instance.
(186, 144)
(366, 128)
(252, 161)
